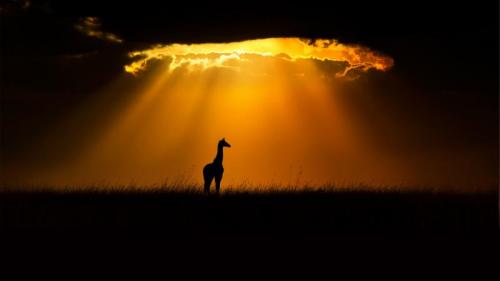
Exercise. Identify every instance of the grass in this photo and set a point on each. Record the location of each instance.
(277, 229)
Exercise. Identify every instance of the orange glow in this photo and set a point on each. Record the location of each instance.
(289, 49)
(273, 99)
(284, 104)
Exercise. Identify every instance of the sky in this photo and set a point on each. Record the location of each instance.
(311, 93)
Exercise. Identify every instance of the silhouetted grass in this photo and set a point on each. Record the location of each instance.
(179, 228)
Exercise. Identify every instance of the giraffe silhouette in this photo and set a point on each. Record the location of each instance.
(215, 169)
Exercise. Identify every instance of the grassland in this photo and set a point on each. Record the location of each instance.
(290, 229)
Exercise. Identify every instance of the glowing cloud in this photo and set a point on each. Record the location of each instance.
(90, 26)
(288, 49)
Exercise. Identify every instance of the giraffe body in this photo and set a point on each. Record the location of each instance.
(215, 170)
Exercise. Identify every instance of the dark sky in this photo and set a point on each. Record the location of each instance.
(445, 52)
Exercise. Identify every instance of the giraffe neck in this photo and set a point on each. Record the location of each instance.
(219, 156)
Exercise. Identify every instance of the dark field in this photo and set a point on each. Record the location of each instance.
(277, 231)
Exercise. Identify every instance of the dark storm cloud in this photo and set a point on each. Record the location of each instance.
(435, 44)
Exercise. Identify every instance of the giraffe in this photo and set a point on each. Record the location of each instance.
(215, 169)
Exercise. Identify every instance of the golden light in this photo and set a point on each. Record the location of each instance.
(275, 100)
(291, 49)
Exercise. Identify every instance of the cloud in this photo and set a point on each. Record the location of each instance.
(79, 55)
(206, 55)
(91, 26)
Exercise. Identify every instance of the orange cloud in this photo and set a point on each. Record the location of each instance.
(90, 26)
(289, 49)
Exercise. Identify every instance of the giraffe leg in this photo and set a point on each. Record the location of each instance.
(208, 182)
(218, 179)
(207, 178)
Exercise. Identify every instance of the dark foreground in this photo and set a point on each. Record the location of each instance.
(303, 231)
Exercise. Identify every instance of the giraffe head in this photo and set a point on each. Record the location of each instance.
(223, 143)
